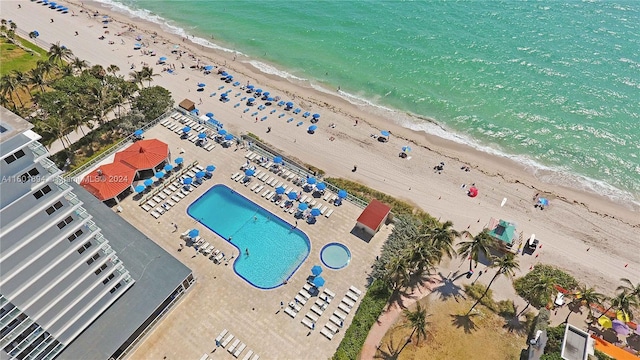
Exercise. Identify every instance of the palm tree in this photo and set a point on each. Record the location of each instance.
(147, 74)
(58, 53)
(397, 273)
(8, 86)
(113, 69)
(633, 290)
(79, 64)
(541, 291)
(417, 320)
(507, 266)
(46, 68)
(480, 244)
(22, 81)
(36, 78)
(137, 78)
(442, 237)
(624, 302)
(421, 256)
(585, 296)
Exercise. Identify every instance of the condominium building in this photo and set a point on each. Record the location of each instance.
(65, 290)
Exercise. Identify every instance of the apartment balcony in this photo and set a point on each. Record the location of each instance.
(39, 151)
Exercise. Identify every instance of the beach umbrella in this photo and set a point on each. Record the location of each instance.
(200, 174)
(302, 206)
(249, 172)
(473, 192)
(36, 33)
(187, 181)
(228, 137)
(186, 129)
(201, 85)
(605, 322)
(159, 175)
(209, 114)
(277, 160)
(193, 233)
(140, 188)
(280, 190)
(251, 100)
(313, 127)
(223, 95)
(208, 67)
(406, 148)
(258, 91)
(316, 270)
(311, 180)
(168, 167)
(622, 316)
(316, 116)
(179, 160)
(148, 182)
(224, 74)
(342, 194)
(321, 186)
(229, 77)
(250, 87)
(620, 327)
(222, 132)
(289, 104)
(385, 133)
(543, 201)
(210, 168)
(163, 58)
(318, 281)
(266, 93)
(315, 212)
(292, 195)
(202, 136)
(269, 99)
(138, 132)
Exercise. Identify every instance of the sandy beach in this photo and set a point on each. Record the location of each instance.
(591, 237)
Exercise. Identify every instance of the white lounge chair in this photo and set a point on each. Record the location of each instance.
(233, 346)
(340, 315)
(291, 312)
(352, 296)
(327, 333)
(146, 207)
(355, 290)
(344, 308)
(348, 301)
(227, 340)
(248, 355)
(239, 350)
(316, 310)
(328, 213)
(222, 334)
(329, 292)
(308, 323)
(155, 214)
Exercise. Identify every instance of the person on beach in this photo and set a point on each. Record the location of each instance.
(76, 33)
(355, 168)
(51, 20)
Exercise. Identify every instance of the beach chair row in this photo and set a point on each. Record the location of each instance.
(336, 321)
(236, 348)
(204, 247)
(175, 176)
(168, 197)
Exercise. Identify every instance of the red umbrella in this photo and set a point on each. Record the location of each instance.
(473, 192)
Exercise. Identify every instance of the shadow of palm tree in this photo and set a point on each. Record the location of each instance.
(400, 295)
(390, 353)
(464, 321)
(447, 288)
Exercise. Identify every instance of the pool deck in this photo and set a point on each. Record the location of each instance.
(220, 299)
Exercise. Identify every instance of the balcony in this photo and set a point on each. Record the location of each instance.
(72, 199)
(82, 213)
(38, 150)
(50, 166)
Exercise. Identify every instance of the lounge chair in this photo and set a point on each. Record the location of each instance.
(155, 214)
(290, 312)
(175, 198)
(227, 340)
(336, 320)
(308, 323)
(301, 299)
(352, 296)
(347, 301)
(146, 207)
(344, 308)
(222, 334)
(355, 290)
(305, 294)
(327, 333)
(329, 292)
(239, 350)
(255, 186)
(316, 310)
(259, 189)
(340, 315)
(248, 355)
(270, 196)
(233, 346)
(255, 357)
(329, 213)
(265, 193)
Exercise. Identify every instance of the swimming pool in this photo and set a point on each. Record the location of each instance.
(335, 256)
(276, 250)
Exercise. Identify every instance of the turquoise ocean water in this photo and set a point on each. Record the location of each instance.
(554, 85)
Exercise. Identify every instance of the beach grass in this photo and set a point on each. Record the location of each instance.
(450, 335)
(14, 57)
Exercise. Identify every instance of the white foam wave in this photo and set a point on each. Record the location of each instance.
(166, 25)
(268, 69)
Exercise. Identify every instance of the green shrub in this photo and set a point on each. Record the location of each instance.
(476, 290)
(601, 356)
(554, 342)
(532, 280)
(506, 308)
(367, 314)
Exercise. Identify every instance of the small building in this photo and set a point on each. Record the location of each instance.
(373, 216)
(144, 154)
(187, 105)
(109, 181)
(503, 232)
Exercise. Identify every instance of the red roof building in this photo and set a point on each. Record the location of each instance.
(373, 216)
(109, 180)
(144, 154)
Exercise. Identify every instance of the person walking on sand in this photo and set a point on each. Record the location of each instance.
(355, 168)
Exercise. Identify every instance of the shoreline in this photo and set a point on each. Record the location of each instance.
(576, 220)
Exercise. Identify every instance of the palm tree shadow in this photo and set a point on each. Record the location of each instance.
(448, 289)
(464, 321)
(400, 295)
(390, 353)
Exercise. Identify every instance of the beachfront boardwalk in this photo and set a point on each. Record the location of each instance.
(221, 299)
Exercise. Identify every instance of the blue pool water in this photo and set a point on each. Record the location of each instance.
(335, 256)
(275, 249)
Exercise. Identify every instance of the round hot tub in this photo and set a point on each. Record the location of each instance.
(335, 256)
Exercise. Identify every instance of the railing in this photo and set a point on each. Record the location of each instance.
(69, 176)
(38, 149)
(49, 165)
(82, 213)
(265, 150)
(72, 198)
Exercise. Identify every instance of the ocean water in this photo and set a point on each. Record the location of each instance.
(554, 85)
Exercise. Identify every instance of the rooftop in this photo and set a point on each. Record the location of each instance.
(11, 124)
(374, 214)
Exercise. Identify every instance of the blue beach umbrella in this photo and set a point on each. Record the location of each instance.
(159, 175)
(406, 148)
(311, 180)
(224, 74)
(258, 91)
(202, 136)
(251, 100)
(302, 206)
(209, 114)
(249, 172)
(292, 195)
(266, 93)
(36, 33)
(195, 112)
(315, 212)
(289, 104)
(228, 137)
(385, 133)
(321, 186)
(186, 129)
(138, 132)
(148, 182)
(163, 58)
(187, 181)
(200, 174)
(222, 132)
(316, 270)
(342, 194)
(193, 233)
(316, 116)
(179, 160)
(208, 67)
(543, 201)
(201, 85)
(168, 167)
(313, 127)
(210, 168)
(140, 188)
(280, 190)
(277, 160)
(250, 87)
(318, 281)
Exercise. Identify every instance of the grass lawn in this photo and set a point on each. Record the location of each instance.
(452, 336)
(13, 57)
